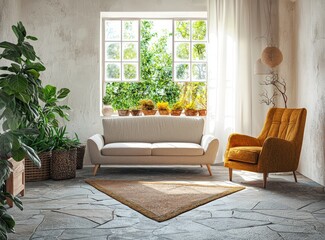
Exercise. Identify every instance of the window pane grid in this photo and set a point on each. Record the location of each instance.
(194, 33)
(121, 50)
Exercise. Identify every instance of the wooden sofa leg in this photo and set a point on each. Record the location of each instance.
(294, 175)
(201, 165)
(95, 169)
(230, 174)
(209, 169)
(264, 179)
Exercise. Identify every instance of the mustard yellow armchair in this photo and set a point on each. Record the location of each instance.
(276, 149)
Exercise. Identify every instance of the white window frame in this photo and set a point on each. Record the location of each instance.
(121, 41)
(190, 62)
(139, 15)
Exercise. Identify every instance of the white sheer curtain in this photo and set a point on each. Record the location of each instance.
(235, 43)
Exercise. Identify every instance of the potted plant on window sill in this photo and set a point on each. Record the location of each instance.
(177, 109)
(163, 108)
(107, 110)
(190, 109)
(135, 111)
(147, 107)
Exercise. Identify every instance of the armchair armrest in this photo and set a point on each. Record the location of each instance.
(94, 146)
(236, 139)
(277, 155)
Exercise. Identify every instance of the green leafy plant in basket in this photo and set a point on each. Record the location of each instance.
(63, 164)
(19, 93)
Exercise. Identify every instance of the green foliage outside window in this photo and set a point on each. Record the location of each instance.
(156, 75)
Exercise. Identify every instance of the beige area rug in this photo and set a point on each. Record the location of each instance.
(162, 200)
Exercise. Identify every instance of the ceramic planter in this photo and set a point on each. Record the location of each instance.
(164, 112)
(135, 112)
(123, 112)
(176, 112)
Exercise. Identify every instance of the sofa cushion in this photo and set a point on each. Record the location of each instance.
(245, 154)
(176, 149)
(127, 149)
(152, 129)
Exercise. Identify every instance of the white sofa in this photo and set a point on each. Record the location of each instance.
(152, 140)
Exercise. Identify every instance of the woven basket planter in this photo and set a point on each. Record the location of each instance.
(63, 164)
(33, 173)
(80, 156)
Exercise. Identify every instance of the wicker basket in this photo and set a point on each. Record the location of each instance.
(33, 173)
(63, 164)
(80, 156)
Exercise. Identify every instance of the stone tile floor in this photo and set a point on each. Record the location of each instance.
(71, 209)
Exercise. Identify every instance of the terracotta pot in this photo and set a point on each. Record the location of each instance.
(202, 112)
(149, 112)
(164, 112)
(190, 112)
(135, 112)
(176, 112)
(123, 112)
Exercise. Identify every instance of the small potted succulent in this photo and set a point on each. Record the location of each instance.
(163, 108)
(177, 109)
(190, 109)
(147, 106)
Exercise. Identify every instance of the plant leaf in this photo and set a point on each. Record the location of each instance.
(31, 155)
(63, 93)
(32, 38)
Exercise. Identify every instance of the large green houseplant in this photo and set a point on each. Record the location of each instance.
(19, 93)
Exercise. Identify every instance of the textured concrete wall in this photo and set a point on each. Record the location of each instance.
(309, 42)
(9, 15)
(68, 33)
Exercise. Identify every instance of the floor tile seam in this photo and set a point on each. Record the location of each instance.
(57, 211)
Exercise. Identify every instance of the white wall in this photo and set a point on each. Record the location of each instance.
(302, 36)
(68, 33)
(310, 76)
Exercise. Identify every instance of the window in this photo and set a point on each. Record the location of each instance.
(162, 59)
(190, 50)
(122, 58)
(121, 50)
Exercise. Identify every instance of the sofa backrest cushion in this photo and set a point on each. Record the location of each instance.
(152, 129)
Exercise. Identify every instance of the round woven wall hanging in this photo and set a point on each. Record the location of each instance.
(271, 56)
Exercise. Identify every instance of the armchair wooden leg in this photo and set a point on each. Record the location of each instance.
(95, 169)
(209, 169)
(294, 175)
(264, 179)
(230, 174)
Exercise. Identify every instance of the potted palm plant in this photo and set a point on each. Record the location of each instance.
(147, 107)
(177, 109)
(163, 108)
